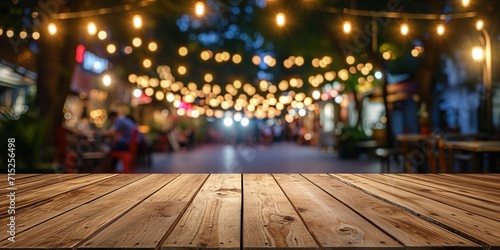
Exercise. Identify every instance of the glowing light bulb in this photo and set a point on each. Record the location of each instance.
(199, 9)
(280, 19)
(347, 27)
(92, 28)
(52, 28)
(404, 29)
(440, 29)
(137, 21)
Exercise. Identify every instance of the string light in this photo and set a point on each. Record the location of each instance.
(152, 46)
(280, 19)
(35, 35)
(111, 48)
(440, 29)
(347, 27)
(199, 9)
(136, 42)
(9, 33)
(106, 80)
(404, 29)
(477, 53)
(479, 25)
(52, 28)
(23, 34)
(92, 28)
(102, 35)
(137, 21)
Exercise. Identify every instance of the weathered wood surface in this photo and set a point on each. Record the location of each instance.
(396, 221)
(146, 224)
(213, 219)
(487, 209)
(333, 223)
(254, 211)
(269, 219)
(465, 223)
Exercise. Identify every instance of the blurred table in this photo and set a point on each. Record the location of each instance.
(415, 147)
(478, 148)
(253, 211)
(85, 149)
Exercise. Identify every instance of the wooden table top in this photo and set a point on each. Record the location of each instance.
(233, 211)
(412, 137)
(475, 146)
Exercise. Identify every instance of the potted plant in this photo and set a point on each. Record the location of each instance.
(348, 142)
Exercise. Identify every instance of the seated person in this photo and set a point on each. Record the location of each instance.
(121, 130)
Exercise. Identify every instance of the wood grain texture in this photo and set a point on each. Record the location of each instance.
(56, 187)
(483, 184)
(62, 203)
(333, 224)
(487, 177)
(488, 209)
(467, 224)
(403, 226)
(472, 191)
(144, 226)
(212, 211)
(269, 220)
(69, 229)
(40, 181)
(21, 178)
(213, 220)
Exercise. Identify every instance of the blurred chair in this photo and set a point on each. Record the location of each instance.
(128, 157)
(385, 155)
(447, 157)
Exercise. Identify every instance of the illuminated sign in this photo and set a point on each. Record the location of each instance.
(90, 61)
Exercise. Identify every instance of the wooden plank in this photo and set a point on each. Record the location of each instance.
(47, 179)
(22, 176)
(68, 230)
(333, 224)
(488, 177)
(434, 181)
(213, 219)
(54, 206)
(18, 178)
(486, 209)
(145, 225)
(403, 226)
(43, 193)
(471, 226)
(485, 188)
(269, 220)
(463, 178)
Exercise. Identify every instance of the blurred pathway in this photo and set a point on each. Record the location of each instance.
(278, 158)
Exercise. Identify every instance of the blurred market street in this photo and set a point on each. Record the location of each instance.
(277, 158)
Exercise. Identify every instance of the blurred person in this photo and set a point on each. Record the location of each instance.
(121, 131)
(277, 131)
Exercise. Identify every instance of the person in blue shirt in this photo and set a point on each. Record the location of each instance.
(121, 130)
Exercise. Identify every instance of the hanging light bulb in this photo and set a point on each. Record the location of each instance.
(440, 29)
(199, 9)
(92, 28)
(137, 20)
(347, 27)
(280, 19)
(106, 80)
(52, 28)
(404, 29)
(479, 24)
(465, 3)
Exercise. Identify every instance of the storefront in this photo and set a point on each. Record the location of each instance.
(17, 85)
